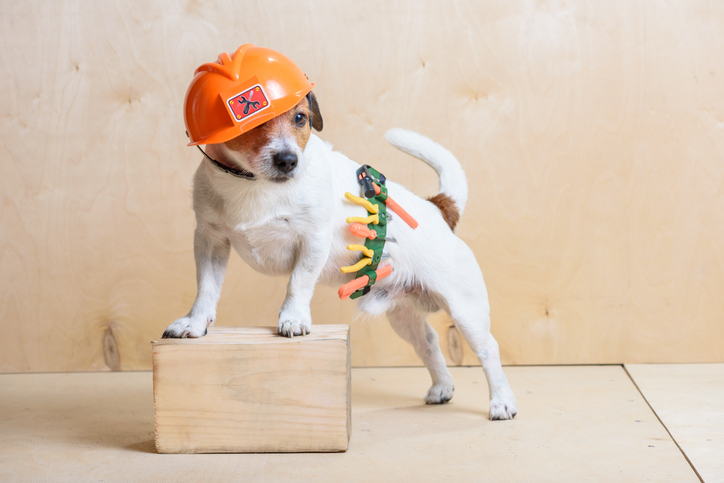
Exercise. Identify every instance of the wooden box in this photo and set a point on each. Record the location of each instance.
(246, 389)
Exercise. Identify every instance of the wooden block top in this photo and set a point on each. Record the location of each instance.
(261, 335)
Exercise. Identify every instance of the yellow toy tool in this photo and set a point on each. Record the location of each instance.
(362, 202)
(357, 266)
(372, 219)
(363, 249)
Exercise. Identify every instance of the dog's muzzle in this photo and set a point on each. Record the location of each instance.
(285, 161)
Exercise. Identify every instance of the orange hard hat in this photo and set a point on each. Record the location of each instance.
(236, 94)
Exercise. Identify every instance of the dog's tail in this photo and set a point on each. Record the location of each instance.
(453, 186)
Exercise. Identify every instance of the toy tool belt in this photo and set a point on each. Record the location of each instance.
(373, 229)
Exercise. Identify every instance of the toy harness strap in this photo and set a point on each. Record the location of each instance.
(375, 232)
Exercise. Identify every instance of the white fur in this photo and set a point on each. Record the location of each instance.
(298, 228)
(452, 176)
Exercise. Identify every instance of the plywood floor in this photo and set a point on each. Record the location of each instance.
(689, 400)
(575, 423)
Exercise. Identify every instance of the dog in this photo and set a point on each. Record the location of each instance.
(290, 219)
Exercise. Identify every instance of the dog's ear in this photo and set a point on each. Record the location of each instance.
(316, 118)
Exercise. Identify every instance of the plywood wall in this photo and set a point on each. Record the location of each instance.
(592, 134)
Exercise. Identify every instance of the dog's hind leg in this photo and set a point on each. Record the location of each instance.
(484, 345)
(460, 289)
(410, 323)
(467, 304)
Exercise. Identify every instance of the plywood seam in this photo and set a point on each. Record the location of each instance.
(662, 423)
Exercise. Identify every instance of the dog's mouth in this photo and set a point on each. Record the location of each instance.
(281, 178)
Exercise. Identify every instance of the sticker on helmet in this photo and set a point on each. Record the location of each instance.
(248, 103)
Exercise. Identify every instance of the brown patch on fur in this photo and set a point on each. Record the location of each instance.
(447, 207)
(300, 133)
(317, 122)
(251, 142)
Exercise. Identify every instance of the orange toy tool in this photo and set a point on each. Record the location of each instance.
(360, 230)
(391, 204)
(358, 283)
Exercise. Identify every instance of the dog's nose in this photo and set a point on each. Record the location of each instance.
(285, 161)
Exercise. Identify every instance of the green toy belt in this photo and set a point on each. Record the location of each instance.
(375, 233)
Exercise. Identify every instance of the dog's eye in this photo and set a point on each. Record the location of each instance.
(300, 119)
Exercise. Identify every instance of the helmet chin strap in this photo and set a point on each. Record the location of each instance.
(238, 172)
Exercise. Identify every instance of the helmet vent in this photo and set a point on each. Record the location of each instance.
(225, 65)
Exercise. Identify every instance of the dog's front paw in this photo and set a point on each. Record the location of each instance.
(439, 393)
(503, 408)
(187, 327)
(290, 328)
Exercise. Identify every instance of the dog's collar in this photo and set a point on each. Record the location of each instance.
(238, 172)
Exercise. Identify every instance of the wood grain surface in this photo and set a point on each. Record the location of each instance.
(592, 134)
(249, 390)
(687, 398)
(575, 424)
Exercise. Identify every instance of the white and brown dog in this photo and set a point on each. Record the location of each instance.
(290, 219)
